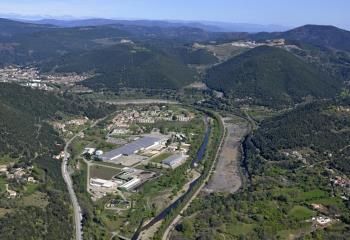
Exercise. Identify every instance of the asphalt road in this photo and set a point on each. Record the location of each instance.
(73, 197)
(66, 176)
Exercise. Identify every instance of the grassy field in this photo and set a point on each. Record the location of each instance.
(159, 158)
(2, 185)
(6, 160)
(31, 188)
(103, 172)
(3, 211)
(300, 213)
(37, 199)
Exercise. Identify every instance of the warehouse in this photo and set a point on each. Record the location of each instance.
(97, 182)
(131, 184)
(134, 147)
(175, 160)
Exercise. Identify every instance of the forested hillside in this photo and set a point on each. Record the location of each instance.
(271, 76)
(318, 35)
(321, 127)
(26, 139)
(127, 66)
(292, 161)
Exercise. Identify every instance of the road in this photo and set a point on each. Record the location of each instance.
(177, 219)
(141, 101)
(68, 180)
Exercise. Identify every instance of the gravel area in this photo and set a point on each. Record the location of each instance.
(226, 177)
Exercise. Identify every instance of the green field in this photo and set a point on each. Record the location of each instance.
(103, 172)
(300, 213)
(7, 159)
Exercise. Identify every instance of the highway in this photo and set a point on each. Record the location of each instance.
(68, 180)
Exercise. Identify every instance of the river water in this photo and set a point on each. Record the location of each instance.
(166, 211)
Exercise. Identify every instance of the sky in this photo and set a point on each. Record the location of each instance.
(280, 12)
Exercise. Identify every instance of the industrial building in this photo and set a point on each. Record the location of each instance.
(134, 147)
(97, 182)
(175, 160)
(131, 184)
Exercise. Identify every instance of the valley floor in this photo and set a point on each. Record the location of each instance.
(226, 177)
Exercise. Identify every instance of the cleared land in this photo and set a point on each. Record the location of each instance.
(103, 172)
(226, 177)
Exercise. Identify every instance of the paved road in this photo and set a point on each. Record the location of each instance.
(141, 101)
(73, 197)
(66, 176)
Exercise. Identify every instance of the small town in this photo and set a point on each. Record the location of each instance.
(33, 78)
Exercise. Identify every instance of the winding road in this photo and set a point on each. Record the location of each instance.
(68, 180)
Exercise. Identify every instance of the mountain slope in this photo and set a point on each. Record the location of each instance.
(272, 76)
(26, 139)
(327, 36)
(319, 35)
(127, 66)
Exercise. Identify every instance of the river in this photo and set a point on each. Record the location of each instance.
(166, 211)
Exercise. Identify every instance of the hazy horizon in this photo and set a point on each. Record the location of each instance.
(287, 14)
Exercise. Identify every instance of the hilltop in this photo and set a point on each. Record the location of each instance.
(271, 76)
(318, 35)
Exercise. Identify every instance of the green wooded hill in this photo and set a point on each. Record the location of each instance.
(325, 36)
(321, 126)
(24, 113)
(271, 76)
(27, 138)
(318, 35)
(275, 201)
(127, 66)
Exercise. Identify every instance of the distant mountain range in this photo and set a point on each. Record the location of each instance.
(204, 25)
(162, 57)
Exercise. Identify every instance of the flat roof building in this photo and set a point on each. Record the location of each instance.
(97, 182)
(133, 147)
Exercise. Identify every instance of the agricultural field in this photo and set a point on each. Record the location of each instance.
(97, 171)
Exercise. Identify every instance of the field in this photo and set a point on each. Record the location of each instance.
(103, 172)
(2, 185)
(300, 213)
(6, 160)
(37, 199)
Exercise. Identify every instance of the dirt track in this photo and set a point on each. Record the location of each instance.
(226, 177)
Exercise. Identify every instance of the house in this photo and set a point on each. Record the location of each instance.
(3, 168)
(59, 156)
(89, 151)
(11, 193)
(31, 179)
(322, 220)
(19, 172)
